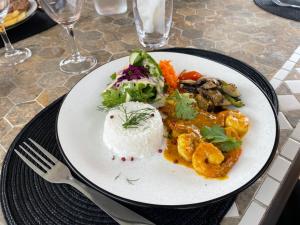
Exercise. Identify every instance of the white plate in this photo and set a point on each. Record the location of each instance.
(30, 12)
(161, 183)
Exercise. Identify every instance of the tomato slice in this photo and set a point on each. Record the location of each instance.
(190, 75)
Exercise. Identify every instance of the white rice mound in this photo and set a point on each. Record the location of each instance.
(133, 142)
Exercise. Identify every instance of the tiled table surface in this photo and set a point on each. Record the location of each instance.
(235, 27)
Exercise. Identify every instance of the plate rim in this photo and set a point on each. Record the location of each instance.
(184, 206)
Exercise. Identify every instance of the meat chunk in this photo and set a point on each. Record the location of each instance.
(21, 5)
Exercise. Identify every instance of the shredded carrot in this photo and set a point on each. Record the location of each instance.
(168, 73)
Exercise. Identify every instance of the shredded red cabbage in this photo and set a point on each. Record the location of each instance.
(133, 73)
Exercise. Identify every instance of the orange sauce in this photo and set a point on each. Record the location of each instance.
(172, 155)
(178, 127)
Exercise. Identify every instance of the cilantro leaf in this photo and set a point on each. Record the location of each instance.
(184, 106)
(216, 135)
(229, 145)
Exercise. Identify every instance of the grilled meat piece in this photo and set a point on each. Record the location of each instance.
(21, 5)
(212, 93)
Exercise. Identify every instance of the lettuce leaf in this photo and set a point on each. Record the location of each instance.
(130, 91)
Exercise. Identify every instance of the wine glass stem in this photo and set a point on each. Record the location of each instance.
(9, 49)
(75, 51)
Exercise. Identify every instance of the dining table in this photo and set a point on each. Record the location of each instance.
(237, 28)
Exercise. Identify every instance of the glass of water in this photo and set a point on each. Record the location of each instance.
(153, 19)
(110, 7)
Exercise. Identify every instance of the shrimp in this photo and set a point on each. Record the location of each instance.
(186, 145)
(237, 121)
(210, 162)
(231, 132)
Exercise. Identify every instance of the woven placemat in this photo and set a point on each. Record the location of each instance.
(37, 23)
(285, 12)
(27, 199)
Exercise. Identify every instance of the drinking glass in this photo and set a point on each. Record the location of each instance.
(67, 13)
(291, 3)
(153, 20)
(110, 7)
(11, 56)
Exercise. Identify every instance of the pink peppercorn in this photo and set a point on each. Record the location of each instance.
(131, 158)
(123, 159)
(160, 150)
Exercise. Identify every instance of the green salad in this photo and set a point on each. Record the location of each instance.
(142, 81)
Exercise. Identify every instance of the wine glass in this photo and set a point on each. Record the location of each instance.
(67, 13)
(11, 56)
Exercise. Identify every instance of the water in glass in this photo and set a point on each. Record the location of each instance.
(153, 20)
(110, 7)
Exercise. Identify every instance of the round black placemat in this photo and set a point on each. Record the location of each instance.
(27, 199)
(285, 12)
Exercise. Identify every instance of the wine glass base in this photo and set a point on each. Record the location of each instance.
(78, 65)
(15, 57)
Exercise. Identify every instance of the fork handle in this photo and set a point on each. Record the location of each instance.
(115, 210)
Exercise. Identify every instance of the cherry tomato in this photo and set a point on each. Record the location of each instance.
(190, 75)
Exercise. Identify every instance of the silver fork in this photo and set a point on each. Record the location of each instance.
(57, 172)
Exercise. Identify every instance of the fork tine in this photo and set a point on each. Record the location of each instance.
(41, 157)
(30, 164)
(34, 158)
(50, 156)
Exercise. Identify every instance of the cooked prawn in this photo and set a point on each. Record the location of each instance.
(186, 146)
(237, 121)
(231, 132)
(210, 162)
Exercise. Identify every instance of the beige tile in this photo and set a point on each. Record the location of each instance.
(48, 96)
(253, 215)
(294, 74)
(6, 87)
(244, 197)
(293, 116)
(73, 80)
(51, 80)
(51, 52)
(21, 94)
(25, 78)
(288, 103)
(22, 113)
(4, 127)
(230, 221)
(290, 149)
(10, 136)
(5, 106)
